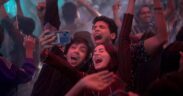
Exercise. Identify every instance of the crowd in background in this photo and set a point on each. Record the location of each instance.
(91, 48)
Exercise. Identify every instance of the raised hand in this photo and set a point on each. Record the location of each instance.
(98, 81)
(116, 6)
(46, 38)
(88, 6)
(29, 45)
(41, 6)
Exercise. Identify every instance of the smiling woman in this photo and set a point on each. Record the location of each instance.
(105, 57)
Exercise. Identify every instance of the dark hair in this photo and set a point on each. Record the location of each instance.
(179, 36)
(113, 63)
(110, 22)
(69, 11)
(1, 35)
(26, 24)
(83, 66)
(170, 58)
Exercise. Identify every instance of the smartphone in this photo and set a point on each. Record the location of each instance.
(63, 38)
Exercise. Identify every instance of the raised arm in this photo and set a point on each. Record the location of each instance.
(170, 8)
(13, 74)
(93, 11)
(29, 44)
(19, 10)
(52, 14)
(57, 59)
(2, 9)
(124, 52)
(12, 30)
(115, 10)
(154, 43)
(25, 73)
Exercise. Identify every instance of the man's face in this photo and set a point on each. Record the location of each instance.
(145, 14)
(101, 33)
(76, 54)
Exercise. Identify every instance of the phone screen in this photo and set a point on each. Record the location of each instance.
(63, 37)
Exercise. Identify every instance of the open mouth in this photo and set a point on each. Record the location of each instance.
(98, 61)
(98, 37)
(74, 58)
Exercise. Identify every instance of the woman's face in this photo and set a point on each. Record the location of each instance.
(76, 54)
(101, 57)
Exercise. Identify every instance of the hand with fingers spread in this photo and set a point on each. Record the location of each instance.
(97, 81)
(29, 44)
(115, 8)
(46, 39)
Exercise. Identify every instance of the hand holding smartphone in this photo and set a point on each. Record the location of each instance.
(62, 38)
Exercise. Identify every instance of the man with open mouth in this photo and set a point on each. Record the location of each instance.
(104, 30)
